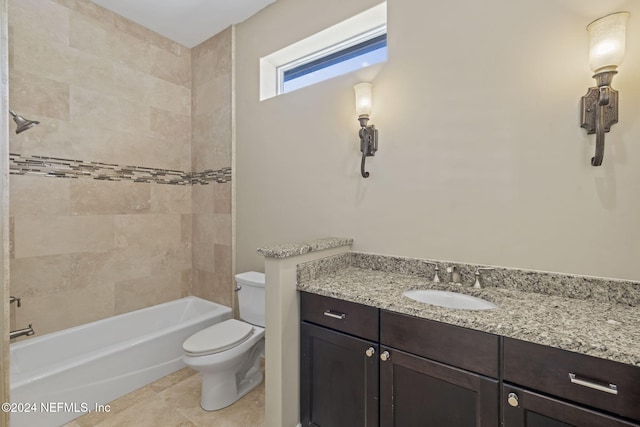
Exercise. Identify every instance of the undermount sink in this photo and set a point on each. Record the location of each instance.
(449, 299)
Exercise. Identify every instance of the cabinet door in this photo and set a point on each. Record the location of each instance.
(338, 379)
(418, 392)
(523, 408)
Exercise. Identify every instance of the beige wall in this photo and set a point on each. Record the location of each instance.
(481, 156)
(104, 90)
(211, 150)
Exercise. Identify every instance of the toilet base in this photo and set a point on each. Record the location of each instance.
(221, 389)
(214, 396)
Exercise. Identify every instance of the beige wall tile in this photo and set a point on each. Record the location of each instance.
(168, 66)
(44, 57)
(170, 198)
(222, 229)
(46, 20)
(212, 95)
(148, 230)
(34, 95)
(172, 127)
(203, 242)
(55, 138)
(97, 197)
(203, 198)
(85, 36)
(90, 9)
(108, 111)
(222, 198)
(39, 196)
(32, 276)
(51, 311)
(186, 228)
(222, 260)
(168, 260)
(37, 236)
(155, 39)
(106, 268)
(143, 292)
(168, 96)
(213, 287)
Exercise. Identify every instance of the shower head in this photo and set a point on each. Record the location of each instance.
(22, 123)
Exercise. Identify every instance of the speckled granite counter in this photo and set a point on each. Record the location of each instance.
(293, 249)
(598, 317)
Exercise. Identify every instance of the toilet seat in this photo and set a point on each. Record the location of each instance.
(218, 338)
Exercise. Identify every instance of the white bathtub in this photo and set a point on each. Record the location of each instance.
(60, 376)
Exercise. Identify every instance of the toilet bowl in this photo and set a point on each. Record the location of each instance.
(228, 354)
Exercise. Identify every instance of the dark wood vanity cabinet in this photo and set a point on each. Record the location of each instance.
(525, 408)
(433, 374)
(361, 366)
(349, 379)
(339, 364)
(550, 387)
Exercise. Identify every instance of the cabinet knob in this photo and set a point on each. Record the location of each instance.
(512, 399)
(370, 351)
(385, 356)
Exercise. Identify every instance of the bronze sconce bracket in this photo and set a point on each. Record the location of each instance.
(600, 111)
(368, 142)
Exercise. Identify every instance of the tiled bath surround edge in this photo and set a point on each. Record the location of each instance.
(616, 291)
(66, 168)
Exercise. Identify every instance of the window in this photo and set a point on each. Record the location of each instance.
(357, 42)
(359, 52)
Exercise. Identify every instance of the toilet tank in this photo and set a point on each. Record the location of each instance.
(251, 298)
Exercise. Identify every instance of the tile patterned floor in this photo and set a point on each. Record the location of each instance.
(174, 401)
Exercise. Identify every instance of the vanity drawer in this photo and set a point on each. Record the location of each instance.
(599, 383)
(456, 346)
(344, 316)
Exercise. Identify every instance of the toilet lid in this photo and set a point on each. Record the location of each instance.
(219, 337)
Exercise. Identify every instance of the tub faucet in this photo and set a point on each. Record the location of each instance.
(20, 332)
(15, 299)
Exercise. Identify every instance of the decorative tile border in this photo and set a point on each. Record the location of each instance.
(67, 168)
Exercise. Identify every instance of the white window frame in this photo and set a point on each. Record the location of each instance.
(332, 39)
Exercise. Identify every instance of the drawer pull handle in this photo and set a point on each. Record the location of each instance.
(607, 388)
(370, 352)
(338, 316)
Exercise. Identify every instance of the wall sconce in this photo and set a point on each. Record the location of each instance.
(22, 124)
(606, 52)
(368, 133)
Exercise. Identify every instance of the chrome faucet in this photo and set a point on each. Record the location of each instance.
(436, 278)
(477, 273)
(20, 332)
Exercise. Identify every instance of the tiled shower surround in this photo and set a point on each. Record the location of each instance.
(121, 197)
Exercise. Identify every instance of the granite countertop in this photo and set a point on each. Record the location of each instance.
(600, 327)
(287, 250)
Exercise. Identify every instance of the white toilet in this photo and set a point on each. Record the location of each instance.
(227, 354)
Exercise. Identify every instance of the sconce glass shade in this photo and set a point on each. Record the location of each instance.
(607, 41)
(364, 100)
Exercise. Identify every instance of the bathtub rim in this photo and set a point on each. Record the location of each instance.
(82, 358)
